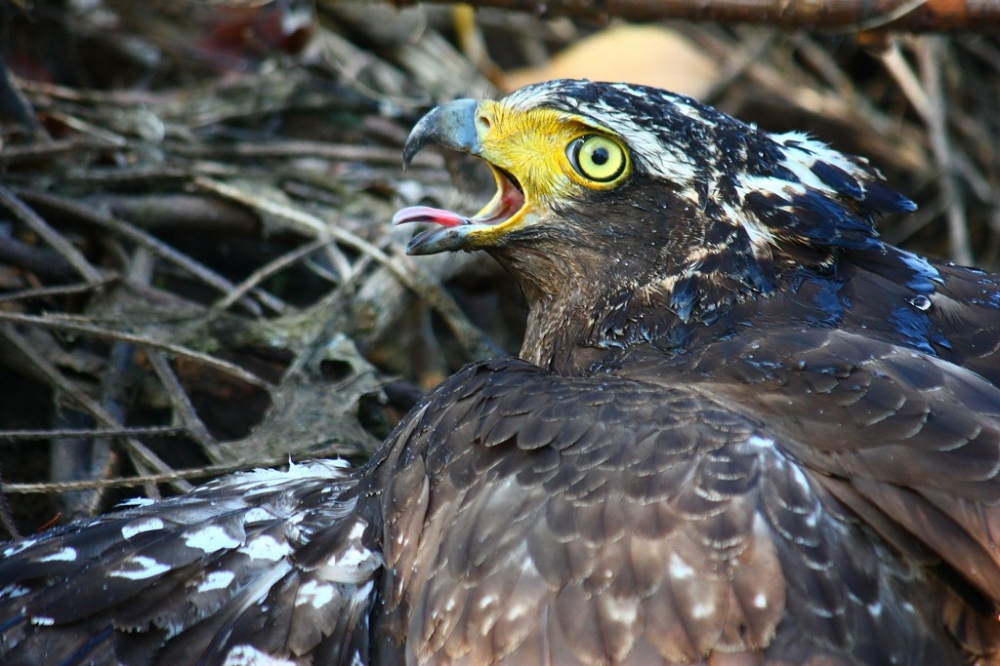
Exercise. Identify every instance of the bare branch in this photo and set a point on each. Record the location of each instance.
(62, 384)
(65, 324)
(174, 477)
(826, 15)
(51, 236)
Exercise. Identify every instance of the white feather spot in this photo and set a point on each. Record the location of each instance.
(18, 547)
(800, 478)
(135, 501)
(140, 526)
(257, 515)
(210, 539)
(702, 610)
(13, 591)
(216, 580)
(264, 480)
(875, 608)
(316, 594)
(43, 621)
(64, 555)
(679, 569)
(139, 568)
(353, 566)
(357, 530)
(265, 547)
(248, 655)
(761, 442)
(517, 611)
(623, 611)
(760, 601)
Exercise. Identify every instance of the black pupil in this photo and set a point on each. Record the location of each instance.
(600, 156)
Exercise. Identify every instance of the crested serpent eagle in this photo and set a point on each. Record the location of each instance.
(742, 429)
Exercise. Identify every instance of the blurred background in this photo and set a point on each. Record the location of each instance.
(197, 271)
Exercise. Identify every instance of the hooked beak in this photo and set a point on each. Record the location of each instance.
(450, 125)
(457, 126)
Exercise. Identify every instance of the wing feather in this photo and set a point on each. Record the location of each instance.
(263, 565)
(647, 516)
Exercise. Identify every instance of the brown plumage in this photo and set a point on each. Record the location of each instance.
(741, 430)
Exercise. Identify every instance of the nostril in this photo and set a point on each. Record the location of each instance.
(483, 122)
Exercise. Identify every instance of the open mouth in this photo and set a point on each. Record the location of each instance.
(454, 231)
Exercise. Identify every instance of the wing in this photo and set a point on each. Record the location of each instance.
(966, 308)
(630, 520)
(909, 442)
(939, 309)
(264, 567)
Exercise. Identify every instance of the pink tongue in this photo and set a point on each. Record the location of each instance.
(427, 214)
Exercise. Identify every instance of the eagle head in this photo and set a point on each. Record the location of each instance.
(612, 194)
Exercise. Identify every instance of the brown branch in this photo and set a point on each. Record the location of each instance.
(37, 151)
(48, 292)
(131, 233)
(91, 433)
(51, 236)
(172, 477)
(827, 15)
(183, 411)
(66, 324)
(293, 149)
(63, 386)
(6, 514)
(266, 271)
(473, 341)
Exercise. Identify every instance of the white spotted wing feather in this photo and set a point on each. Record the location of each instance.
(220, 576)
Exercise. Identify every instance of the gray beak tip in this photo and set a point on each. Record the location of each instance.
(451, 125)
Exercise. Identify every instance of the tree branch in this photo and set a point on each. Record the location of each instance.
(822, 15)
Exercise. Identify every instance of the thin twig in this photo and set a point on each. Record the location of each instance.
(60, 383)
(6, 514)
(737, 62)
(37, 151)
(475, 343)
(296, 149)
(295, 219)
(183, 411)
(907, 81)
(929, 54)
(67, 290)
(51, 236)
(928, 100)
(269, 269)
(154, 245)
(64, 324)
(828, 15)
(174, 477)
(93, 433)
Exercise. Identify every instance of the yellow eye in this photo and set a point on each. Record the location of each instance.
(597, 157)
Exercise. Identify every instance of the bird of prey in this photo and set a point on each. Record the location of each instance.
(742, 429)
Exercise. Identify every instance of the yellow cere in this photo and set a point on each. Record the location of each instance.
(548, 150)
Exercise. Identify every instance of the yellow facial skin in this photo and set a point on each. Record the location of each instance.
(554, 155)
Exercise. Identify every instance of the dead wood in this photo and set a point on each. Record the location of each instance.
(824, 16)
